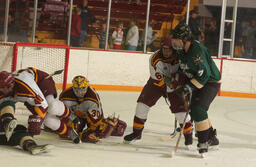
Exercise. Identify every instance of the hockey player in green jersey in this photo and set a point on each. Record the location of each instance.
(12, 134)
(204, 82)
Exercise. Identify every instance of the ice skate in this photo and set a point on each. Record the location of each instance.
(9, 128)
(132, 138)
(189, 142)
(202, 149)
(38, 149)
(213, 141)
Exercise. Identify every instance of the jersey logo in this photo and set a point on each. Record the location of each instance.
(197, 59)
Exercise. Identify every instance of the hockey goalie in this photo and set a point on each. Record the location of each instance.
(86, 104)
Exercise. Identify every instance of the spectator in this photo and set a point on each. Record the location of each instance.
(15, 34)
(194, 25)
(245, 28)
(132, 37)
(86, 16)
(251, 39)
(76, 28)
(117, 36)
(239, 47)
(102, 37)
(212, 38)
(151, 36)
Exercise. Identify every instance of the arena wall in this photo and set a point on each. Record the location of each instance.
(127, 71)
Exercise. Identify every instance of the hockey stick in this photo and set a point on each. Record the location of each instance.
(173, 134)
(54, 73)
(186, 105)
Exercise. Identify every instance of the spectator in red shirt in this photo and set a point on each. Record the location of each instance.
(76, 28)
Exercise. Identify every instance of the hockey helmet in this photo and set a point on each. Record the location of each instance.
(167, 42)
(6, 79)
(181, 31)
(80, 85)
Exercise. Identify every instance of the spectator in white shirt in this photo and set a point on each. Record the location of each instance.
(132, 36)
(117, 36)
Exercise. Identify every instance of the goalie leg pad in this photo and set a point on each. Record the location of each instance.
(119, 128)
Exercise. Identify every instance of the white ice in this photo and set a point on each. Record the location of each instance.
(234, 119)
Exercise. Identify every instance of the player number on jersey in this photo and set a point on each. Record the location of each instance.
(158, 76)
(95, 113)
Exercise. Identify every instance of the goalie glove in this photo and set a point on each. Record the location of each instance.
(89, 136)
(112, 121)
(119, 128)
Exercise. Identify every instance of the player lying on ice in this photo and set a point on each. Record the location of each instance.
(38, 93)
(12, 134)
(204, 82)
(85, 102)
(163, 64)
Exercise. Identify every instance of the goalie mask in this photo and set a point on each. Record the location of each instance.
(80, 85)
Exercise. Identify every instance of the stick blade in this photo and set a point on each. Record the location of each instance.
(173, 154)
(58, 72)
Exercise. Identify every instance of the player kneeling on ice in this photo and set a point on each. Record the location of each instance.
(36, 89)
(85, 102)
(204, 82)
(12, 134)
(163, 66)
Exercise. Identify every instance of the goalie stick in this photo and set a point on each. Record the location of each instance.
(54, 73)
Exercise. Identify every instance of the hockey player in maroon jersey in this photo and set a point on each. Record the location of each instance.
(12, 134)
(163, 65)
(38, 92)
(85, 102)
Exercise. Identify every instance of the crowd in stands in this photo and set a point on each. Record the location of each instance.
(129, 33)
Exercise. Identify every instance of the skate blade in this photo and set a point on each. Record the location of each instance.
(132, 142)
(190, 147)
(12, 125)
(213, 148)
(203, 155)
(42, 149)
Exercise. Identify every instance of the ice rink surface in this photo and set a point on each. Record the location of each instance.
(234, 119)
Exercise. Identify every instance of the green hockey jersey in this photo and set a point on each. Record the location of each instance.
(198, 65)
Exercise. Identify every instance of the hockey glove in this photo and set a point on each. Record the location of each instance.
(186, 89)
(168, 81)
(34, 124)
